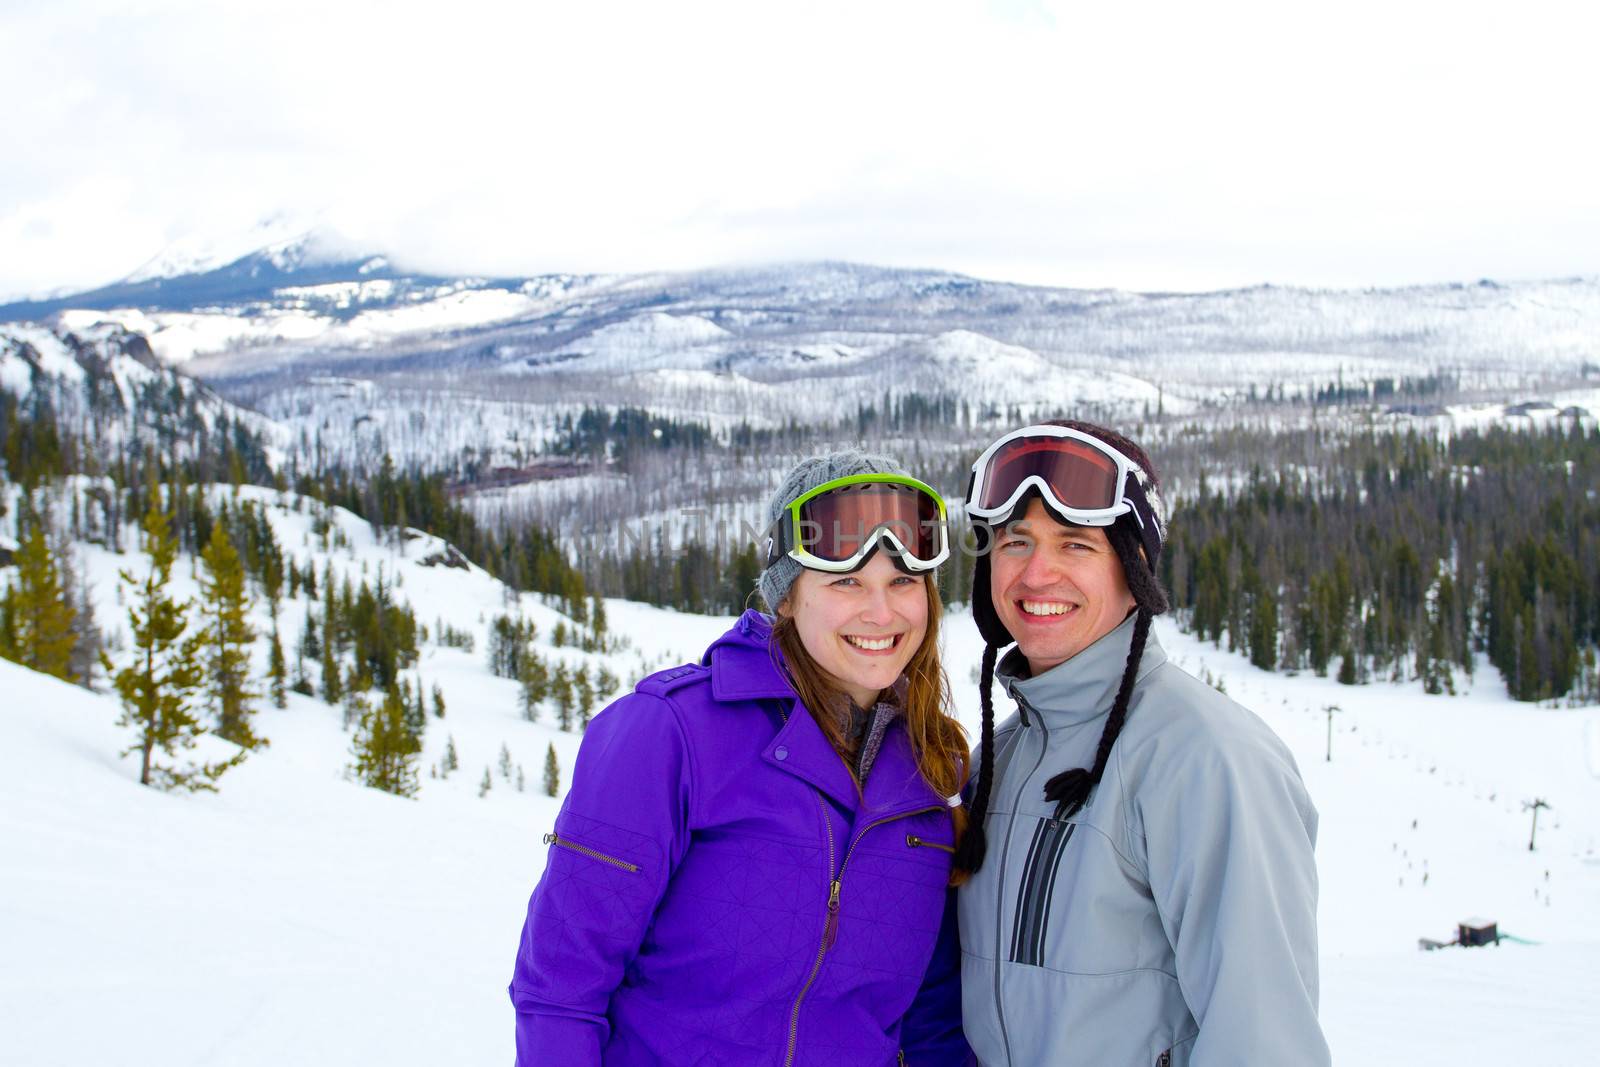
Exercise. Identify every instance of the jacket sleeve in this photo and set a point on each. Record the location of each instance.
(1229, 842)
(621, 830)
(930, 1033)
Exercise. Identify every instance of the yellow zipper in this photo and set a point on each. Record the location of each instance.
(830, 929)
(553, 839)
(913, 841)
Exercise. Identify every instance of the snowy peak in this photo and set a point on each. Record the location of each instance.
(220, 275)
(280, 240)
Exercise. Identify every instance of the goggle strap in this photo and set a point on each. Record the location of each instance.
(778, 538)
(1150, 534)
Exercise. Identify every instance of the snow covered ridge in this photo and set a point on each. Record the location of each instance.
(293, 298)
(104, 379)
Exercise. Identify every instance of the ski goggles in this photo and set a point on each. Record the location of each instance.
(837, 525)
(1081, 478)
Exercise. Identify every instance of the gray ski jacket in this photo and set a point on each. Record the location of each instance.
(1172, 919)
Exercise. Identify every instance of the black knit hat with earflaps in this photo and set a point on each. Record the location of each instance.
(1138, 547)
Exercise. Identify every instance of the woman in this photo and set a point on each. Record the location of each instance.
(752, 865)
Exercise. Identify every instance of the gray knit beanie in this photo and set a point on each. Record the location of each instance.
(775, 581)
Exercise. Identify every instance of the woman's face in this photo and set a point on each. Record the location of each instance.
(860, 628)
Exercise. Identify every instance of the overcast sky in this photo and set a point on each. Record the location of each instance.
(1138, 145)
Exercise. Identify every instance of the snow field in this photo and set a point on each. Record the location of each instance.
(298, 917)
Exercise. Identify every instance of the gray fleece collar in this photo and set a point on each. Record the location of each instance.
(1084, 687)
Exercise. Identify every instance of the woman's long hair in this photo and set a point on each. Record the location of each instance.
(937, 741)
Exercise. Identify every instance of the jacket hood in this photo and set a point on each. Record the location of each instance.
(1083, 687)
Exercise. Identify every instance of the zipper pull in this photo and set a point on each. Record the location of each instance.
(549, 839)
(831, 927)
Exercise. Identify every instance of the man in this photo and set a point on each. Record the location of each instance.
(1145, 890)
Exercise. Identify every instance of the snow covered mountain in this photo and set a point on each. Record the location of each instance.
(280, 239)
(105, 385)
(295, 307)
(356, 357)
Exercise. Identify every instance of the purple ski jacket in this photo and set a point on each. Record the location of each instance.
(719, 891)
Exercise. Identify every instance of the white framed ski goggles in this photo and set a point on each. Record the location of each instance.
(1081, 478)
(837, 525)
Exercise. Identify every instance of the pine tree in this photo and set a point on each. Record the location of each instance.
(332, 687)
(438, 701)
(277, 670)
(561, 690)
(272, 576)
(450, 762)
(384, 750)
(416, 710)
(505, 762)
(36, 616)
(333, 623)
(164, 672)
(605, 684)
(597, 623)
(1263, 628)
(522, 780)
(535, 685)
(552, 772)
(87, 640)
(310, 647)
(228, 636)
(485, 785)
(583, 692)
(355, 698)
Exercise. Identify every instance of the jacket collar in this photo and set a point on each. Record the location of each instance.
(744, 667)
(744, 664)
(1083, 687)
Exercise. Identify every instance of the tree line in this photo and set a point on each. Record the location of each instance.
(1400, 555)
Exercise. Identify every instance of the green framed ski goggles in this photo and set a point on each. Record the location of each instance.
(837, 525)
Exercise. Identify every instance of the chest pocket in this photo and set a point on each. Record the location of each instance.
(1051, 838)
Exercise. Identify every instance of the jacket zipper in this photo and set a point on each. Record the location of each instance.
(830, 928)
(1000, 911)
(827, 938)
(913, 841)
(554, 839)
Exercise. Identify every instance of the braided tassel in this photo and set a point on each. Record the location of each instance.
(974, 843)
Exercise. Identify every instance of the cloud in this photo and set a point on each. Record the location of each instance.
(1140, 146)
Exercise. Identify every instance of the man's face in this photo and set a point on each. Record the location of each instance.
(1057, 588)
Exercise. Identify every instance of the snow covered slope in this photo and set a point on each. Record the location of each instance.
(296, 917)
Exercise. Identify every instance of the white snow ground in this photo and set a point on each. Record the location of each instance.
(296, 917)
